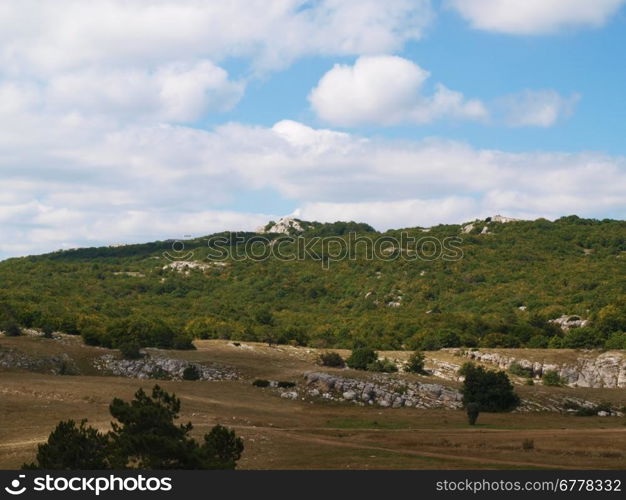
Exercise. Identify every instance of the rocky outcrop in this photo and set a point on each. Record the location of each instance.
(157, 367)
(468, 228)
(285, 225)
(186, 266)
(57, 365)
(604, 370)
(382, 392)
(567, 322)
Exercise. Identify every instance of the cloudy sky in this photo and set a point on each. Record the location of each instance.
(134, 120)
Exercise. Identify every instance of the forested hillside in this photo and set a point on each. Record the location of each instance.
(502, 292)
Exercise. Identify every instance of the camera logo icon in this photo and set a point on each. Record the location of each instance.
(15, 489)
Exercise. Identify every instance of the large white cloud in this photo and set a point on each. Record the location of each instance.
(534, 17)
(158, 60)
(146, 182)
(386, 90)
(389, 90)
(178, 92)
(43, 36)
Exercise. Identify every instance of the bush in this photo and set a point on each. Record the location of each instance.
(439, 340)
(11, 328)
(47, 331)
(331, 358)
(473, 410)
(415, 364)
(191, 372)
(617, 340)
(538, 342)
(261, 383)
(491, 390)
(552, 378)
(130, 350)
(528, 444)
(66, 369)
(286, 385)
(183, 343)
(555, 343)
(520, 371)
(382, 365)
(499, 340)
(582, 338)
(361, 357)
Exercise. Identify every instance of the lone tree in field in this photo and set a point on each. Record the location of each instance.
(145, 436)
(491, 390)
(473, 410)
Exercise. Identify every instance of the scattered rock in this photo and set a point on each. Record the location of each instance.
(567, 322)
(384, 392)
(158, 367)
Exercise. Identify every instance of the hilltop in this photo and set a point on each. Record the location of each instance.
(493, 283)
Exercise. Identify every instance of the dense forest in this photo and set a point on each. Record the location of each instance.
(502, 289)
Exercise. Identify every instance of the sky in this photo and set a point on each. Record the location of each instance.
(127, 121)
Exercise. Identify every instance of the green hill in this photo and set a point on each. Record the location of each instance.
(455, 286)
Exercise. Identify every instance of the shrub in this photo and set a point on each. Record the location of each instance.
(491, 390)
(473, 410)
(520, 371)
(361, 357)
(382, 365)
(582, 338)
(66, 369)
(11, 328)
(439, 340)
(552, 378)
(47, 331)
(415, 364)
(538, 342)
(528, 444)
(191, 372)
(183, 343)
(130, 350)
(555, 343)
(616, 341)
(331, 358)
(585, 411)
(499, 340)
(529, 381)
(261, 383)
(286, 385)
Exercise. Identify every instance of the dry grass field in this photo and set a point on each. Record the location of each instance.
(287, 434)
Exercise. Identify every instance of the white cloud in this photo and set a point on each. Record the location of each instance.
(178, 92)
(540, 108)
(158, 60)
(39, 36)
(152, 182)
(386, 90)
(535, 17)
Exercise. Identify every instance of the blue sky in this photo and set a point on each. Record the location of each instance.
(127, 121)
